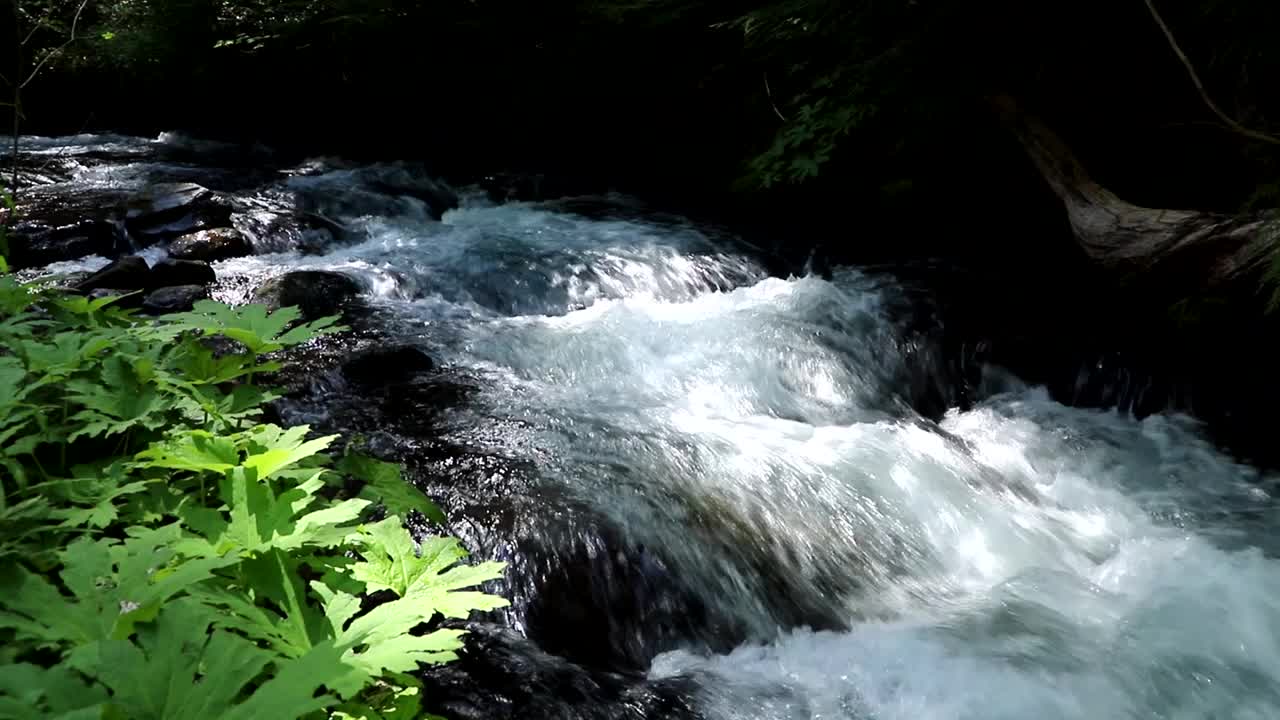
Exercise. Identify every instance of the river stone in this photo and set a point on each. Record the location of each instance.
(170, 272)
(37, 242)
(382, 366)
(210, 245)
(172, 209)
(54, 225)
(317, 293)
(177, 298)
(127, 273)
(502, 676)
(164, 198)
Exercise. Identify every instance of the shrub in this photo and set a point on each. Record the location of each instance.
(166, 555)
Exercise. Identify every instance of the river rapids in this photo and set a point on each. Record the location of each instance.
(708, 481)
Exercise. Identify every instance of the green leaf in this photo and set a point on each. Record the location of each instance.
(113, 585)
(251, 325)
(38, 693)
(194, 451)
(393, 563)
(292, 692)
(177, 669)
(387, 485)
(272, 449)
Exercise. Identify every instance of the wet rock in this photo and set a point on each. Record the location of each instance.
(37, 242)
(127, 298)
(502, 676)
(438, 197)
(210, 245)
(170, 272)
(382, 366)
(127, 273)
(68, 281)
(56, 223)
(172, 209)
(164, 198)
(178, 298)
(317, 293)
(588, 596)
(268, 232)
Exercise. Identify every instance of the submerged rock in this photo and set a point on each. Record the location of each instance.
(317, 293)
(210, 245)
(380, 366)
(178, 298)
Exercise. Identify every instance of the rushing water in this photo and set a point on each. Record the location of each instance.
(1018, 559)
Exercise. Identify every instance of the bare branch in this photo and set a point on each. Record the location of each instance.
(1195, 79)
(39, 24)
(58, 50)
(768, 91)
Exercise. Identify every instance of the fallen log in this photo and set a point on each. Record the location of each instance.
(1183, 252)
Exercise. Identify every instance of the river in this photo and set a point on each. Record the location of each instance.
(710, 478)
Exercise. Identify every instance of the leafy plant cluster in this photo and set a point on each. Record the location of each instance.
(166, 555)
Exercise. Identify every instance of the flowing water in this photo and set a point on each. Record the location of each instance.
(797, 542)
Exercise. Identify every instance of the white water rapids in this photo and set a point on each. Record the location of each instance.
(1018, 560)
(1030, 561)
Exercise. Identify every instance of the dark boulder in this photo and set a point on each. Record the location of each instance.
(177, 298)
(502, 676)
(268, 232)
(39, 241)
(170, 272)
(173, 209)
(382, 366)
(127, 273)
(210, 245)
(317, 293)
(56, 224)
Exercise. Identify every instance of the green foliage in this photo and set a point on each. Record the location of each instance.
(165, 557)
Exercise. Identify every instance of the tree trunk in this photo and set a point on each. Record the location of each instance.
(1183, 252)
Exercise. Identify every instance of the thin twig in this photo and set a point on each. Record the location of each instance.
(1195, 79)
(58, 50)
(769, 92)
(39, 24)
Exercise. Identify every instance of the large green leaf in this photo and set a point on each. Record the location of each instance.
(427, 573)
(386, 484)
(31, 692)
(113, 585)
(179, 670)
(252, 325)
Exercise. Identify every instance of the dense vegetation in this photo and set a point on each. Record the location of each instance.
(166, 555)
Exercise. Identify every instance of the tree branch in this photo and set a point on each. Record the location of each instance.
(1227, 120)
(38, 24)
(769, 92)
(58, 50)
